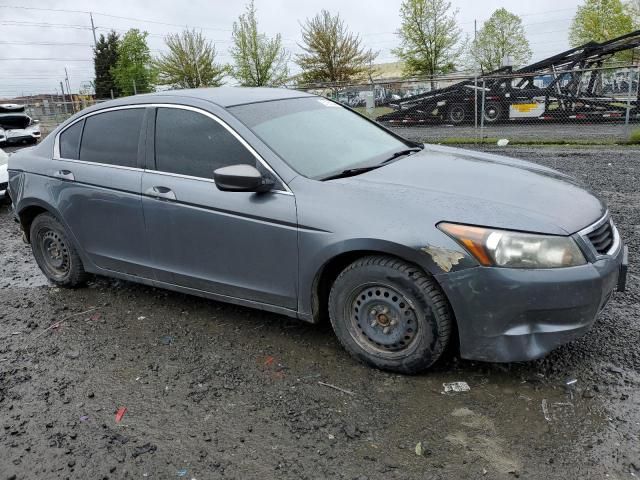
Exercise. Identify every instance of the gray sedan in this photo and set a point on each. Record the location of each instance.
(291, 203)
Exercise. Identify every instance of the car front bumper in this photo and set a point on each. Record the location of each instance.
(509, 315)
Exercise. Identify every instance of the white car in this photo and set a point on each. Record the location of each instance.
(16, 126)
(4, 174)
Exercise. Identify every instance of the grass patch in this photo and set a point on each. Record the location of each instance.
(532, 142)
(634, 138)
(376, 111)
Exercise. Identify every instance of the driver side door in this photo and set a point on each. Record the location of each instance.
(232, 244)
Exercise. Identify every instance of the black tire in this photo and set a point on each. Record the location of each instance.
(417, 328)
(457, 114)
(54, 252)
(493, 112)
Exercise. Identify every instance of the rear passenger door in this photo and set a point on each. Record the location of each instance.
(98, 168)
(236, 244)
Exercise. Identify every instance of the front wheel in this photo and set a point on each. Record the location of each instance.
(55, 254)
(390, 314)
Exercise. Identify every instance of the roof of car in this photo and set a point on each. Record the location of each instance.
(230, 96)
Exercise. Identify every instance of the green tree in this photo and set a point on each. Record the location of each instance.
(600, 20)
(105, 57)
(430, 39)
(500, 36)
(133, 71)
(258, 60)
(189, 63)
(331, 52)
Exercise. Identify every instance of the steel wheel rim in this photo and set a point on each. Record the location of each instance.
(457, 114)
(491, 112)
(382, 320)
(55, 254)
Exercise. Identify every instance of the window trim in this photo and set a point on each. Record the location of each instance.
(243, 142)
(56, 142)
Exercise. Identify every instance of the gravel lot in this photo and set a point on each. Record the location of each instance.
(605, 132)
(218, 391)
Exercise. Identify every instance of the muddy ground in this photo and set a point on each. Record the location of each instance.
(217, 391)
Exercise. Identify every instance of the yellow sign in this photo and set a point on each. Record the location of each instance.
(524, 107)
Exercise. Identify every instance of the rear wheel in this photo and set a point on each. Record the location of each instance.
(390, 314)
(493, 112)
(457, 114)
(55, 254)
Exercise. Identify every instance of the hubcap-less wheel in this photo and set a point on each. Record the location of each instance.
(492, 112)
(382, 319)
(389, 314)
(457, 114)
(54, 253)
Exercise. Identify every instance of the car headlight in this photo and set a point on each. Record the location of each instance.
(505, 248)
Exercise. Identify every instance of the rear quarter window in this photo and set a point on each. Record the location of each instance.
(112, 137)
(70, 141)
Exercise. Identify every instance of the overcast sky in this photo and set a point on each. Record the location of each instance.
(64, 38)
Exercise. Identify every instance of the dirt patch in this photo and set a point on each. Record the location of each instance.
(218, 391)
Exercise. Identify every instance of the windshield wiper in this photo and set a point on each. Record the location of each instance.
(401, 153)
(350, 172)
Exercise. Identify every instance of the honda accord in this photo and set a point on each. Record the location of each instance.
(292, 203)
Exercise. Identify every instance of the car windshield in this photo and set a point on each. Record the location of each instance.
(316, 137)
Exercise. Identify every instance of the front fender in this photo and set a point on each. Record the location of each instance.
(431, 259)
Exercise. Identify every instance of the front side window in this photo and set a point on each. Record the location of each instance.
(317, 137)
(189, 143)
(112, 137)
(70, 141)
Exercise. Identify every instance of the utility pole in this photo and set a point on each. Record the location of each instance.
(64, 100)
(66, 79)
(93, 29)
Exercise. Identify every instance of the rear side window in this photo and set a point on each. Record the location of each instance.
(112, 137)
(70, 141)
(189, 143)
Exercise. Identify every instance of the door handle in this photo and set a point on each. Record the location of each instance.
(160, 192)
(65, 175)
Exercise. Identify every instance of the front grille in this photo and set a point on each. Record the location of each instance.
(602, 237)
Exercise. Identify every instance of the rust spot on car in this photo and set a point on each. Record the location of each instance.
(443, 257)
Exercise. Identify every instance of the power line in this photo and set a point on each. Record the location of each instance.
(14, 23)
(115, 16)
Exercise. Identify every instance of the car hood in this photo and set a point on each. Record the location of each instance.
(457, 185)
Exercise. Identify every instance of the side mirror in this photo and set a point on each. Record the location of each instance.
(241, 178)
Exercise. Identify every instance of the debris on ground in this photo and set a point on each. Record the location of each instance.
(545, 410)
(120, 413)
(146, 448)
(456, 387)
(343, 390)
(503, 142)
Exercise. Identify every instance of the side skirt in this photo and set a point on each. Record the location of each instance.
(201, 293)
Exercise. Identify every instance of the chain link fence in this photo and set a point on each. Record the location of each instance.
(591, 106)
(51, 110)
(577, 106)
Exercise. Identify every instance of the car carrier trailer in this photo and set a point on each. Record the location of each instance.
(571, 91)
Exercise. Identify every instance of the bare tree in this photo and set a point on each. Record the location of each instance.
(190, 62)
(331, 52)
